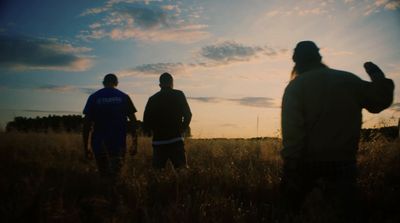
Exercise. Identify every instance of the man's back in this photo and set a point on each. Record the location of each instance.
(328, 104)
(108, 108)
(167, 114)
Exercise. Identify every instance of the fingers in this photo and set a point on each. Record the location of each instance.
(373, 71)
(371, 67)
(368, 65)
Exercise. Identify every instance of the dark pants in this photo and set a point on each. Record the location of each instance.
(109, 161)
(175, 152)
(337, 181)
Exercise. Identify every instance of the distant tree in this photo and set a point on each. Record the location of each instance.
(53, 123)
(68, 123)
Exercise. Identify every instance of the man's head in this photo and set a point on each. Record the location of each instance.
(166, 80)
(110, 80)
(306, 57)
(306, 52)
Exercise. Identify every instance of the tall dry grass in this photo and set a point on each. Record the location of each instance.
(44, 178)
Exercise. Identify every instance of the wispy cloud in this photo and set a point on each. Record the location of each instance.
(28, 53)
(229, 125)
(66, 88)
(370, 7)
(154, 69)
(145, 21)
(109, 6)
(230, 51)
(392, 5)
(314, 8)
(56, 88)
(210, 56)
(327, 8)
(261, 102)
(207, 99)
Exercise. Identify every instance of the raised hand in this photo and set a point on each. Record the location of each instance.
(374, 72)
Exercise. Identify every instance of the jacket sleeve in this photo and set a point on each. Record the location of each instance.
(187, 114)
(377, 95)
(148, 117)
(292, 123)
(89, 110)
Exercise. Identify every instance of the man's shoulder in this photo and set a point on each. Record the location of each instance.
(97, 92)
(119, 92)
(171, 92)
(343, 74)
(317, 75)
(178, 92)
(110, 92)
(155, 95)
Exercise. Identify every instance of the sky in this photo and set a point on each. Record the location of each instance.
(231, 58)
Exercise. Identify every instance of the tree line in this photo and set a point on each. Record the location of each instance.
(74, 123)
(57, 123)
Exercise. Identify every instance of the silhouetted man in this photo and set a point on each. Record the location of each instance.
(321, 121)
(167, 115)
(107, 111)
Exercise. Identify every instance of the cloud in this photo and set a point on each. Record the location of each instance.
(229, 125)
(230, 51)
(261, 102)
(92, 11)
(154, 69)
(392, 5)
(56, 88)
(183, 34)
(109, 5)
(206, 99)
(210, 56)
(145, 17)
(298, 11)
(66, 88)
(28, 53)
(377, 6)
(145, 21)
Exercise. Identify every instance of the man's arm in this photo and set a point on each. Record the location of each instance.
(131, 110)
(147, 118)
(293, 125)
(133, 133)
(378, 94)
(187, 114)
(87, 126)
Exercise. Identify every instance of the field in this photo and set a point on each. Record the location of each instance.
(45, 178)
